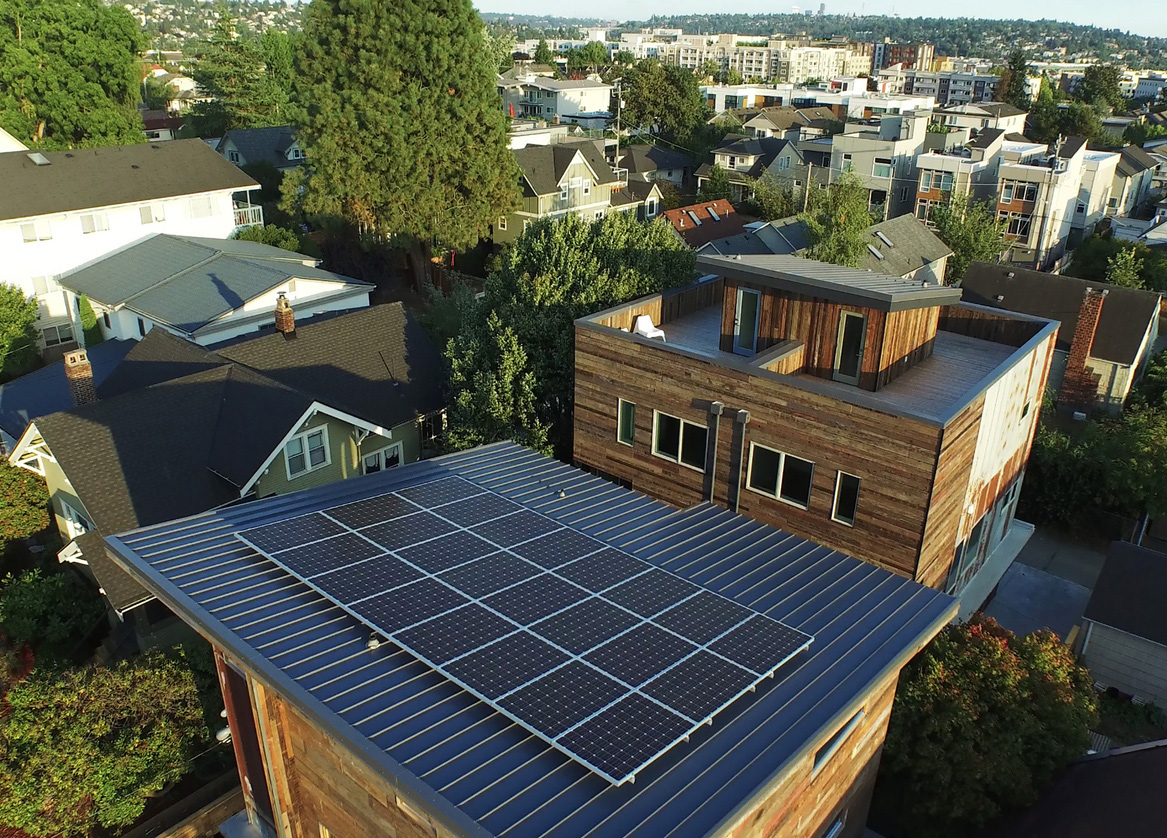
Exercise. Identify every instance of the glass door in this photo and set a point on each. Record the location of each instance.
(849, 347)
(745, 322)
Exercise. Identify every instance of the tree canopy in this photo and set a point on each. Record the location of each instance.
(972, 230)
(270, 234)
(1093, 258)
(402, 123)
(24, 503)
(716, 186)
(543, 54)
(82, 748)
(1125, 269)
(1012, 86)
(983, 721)
(663, 98)
(557, 271)
(837, 221)
(1100, 87)
(18, 332)
(50, 611)
(69, 73)
(772, 199)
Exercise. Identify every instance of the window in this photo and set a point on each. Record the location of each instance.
(201, 208)
(151, 213)
(564, 191)
(56, 335)
(105, 320)
(846, 161)
(1112, 203)
(779, 475)
(626, 426)
(881, 167)
(36, 231)
(502, 222)
(1007, 193)
(1080, 209)
(650, 207)
(587, 187)
(784, 163)
(1018, 224)
(141, 327)
(598, 215)
(297, 153)
(75, 523)
(846, 499)
(95, 222)
(903, 193)
(831, 745)
(925, 181)
(680, 441)
(387, 457)
(233, 156)
(306, 452)
(40, 285)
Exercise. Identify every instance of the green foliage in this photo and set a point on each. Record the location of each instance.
(69, 73)
(158, 93)
(1139, 133)
(670, 195)
(1011, 88)
(716, 186)
(1151, 389)
(557, 271)
(624, 58)
(972, 230)
(271, 234)
(1100, 87)
(983, 722)
(1125, 269)
(837, 222)
(18, 332)
(498, 48)
(24, 503)
(400, 118)
(543, 54)
(81, 749)
(1093, 256)
(1079, 120)
(663, 98)
(773, 200)
(51, 611)
(89, 328)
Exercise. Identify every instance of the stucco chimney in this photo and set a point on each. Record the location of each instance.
(285, 317)
(1080, 384)
(79, 374)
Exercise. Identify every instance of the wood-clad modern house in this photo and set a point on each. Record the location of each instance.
(879, 416)
(344, 724)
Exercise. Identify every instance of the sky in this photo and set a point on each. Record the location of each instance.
(1144, 17)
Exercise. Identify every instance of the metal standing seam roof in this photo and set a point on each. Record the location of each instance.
(845, 285)
(476, 771)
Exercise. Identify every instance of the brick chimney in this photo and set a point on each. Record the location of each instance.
(79, 374)
(285, 317)
(1080, 384)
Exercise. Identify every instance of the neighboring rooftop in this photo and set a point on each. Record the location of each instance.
(904, 245)
(543, 166)
(1133, 160)
(86, 178)
(645, 159)
(1122, 326)
(701, 223)
(489, 776)
(262, 145)
(1130, 592)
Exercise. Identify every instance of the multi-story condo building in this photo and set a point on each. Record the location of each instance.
(912, 56)
(881, 415)
(1038, 194)
(847, 96)
(970, 169)
(1099, 171)
(945, 88)
(768, 60)
(584, 101)
(978, 117)
(884, 157)
(63, 209)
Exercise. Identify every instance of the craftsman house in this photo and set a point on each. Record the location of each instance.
(497, 691)
(879, 416)
(205, 290)
(1107, 335)
(275, 146)
(176, 429)
(743, 159)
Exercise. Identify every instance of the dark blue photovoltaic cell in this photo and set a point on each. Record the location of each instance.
(585, 626)
(602, 570)
(535, 598)
(407, 531)
(563, 698)
(446, 551)
(699, 685)
(522, 526)
(507, 664)
(455, 633)
(557, 548)
(640, 654)
(625, 736)
(703, 617)
(489, 574)
(475, 510)
(362, 513)
(651, 592)
(363, 579)
(329, 554)
(760, 644)
(292, 532)
(407, 605)
(437, 492)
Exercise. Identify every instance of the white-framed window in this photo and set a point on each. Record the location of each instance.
(564, 191)
(846, 160)
(56, 335)
(829, 747)
(783, 163)
(650, 207)
(152, 213)
(779, 475)
(502, 222)
(925, 181)
(201, 207)
(307, 452)
(1017, 224)
(598, 215)
(1007, 193)
(846, 498)
(297, 153)
(94, 222)
(36, 231)
(388, 457)
(40, 285)
(881, 167)
(679, 440)
(587, 187)
(626, 422)
(75, 523)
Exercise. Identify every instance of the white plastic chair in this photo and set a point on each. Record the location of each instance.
(644, 327)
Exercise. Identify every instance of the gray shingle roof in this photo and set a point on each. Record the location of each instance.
(188, 282)
(1130, 591)
(643, 159)
(262, 145)
(543, 166)
(1133, 160)
(484, 775)
(121, 589)
(914, 246)
(100, 177)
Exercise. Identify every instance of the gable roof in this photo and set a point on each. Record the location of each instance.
(726, 223)
(765, 149)
(262, 145)
(1126, 314)
(642, 159)
(986, 137)
(913, 246)
(90, 178)
(1133, 160)
(188, 283)
(1130, 592)
(635, 192)
(543, 166)
(1070, 146)
(782, 236)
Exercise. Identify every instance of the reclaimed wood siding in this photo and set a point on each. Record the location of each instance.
(988, 325)
(666, 307)
(908, 339)
(894, 457)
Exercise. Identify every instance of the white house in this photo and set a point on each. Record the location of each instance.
(205, 290)
(63, 209)
(10, 143)
(565, 100)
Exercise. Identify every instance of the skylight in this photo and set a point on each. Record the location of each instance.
(875, 252)
(884, 239)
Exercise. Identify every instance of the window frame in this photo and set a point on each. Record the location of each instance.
(75, 523)
(151, 213)
(201, 201)
(877, 162)
(620, 405)
(99, 221)
(839, 475)
(777, 494)
(303, 439)
(56, 327)
(42, 231)
(502, 222)
(397, 447)
(680, 458)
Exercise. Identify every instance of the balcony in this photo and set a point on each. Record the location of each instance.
(248, 216)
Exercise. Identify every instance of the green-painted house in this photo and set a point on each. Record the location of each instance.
(177, 429)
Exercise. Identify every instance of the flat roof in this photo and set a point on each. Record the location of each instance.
(475, 770)
(853, 286)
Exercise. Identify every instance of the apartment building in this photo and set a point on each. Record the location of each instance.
(1099, 172)
(1039, 190)
(969, 169)
(770, 60)
(946, 88)
(880, 415)
(847, 96)
(912, 56)
(584, 101)
(1134, 181)
(503, 675)
(63, 209)
(884, 156)
(982, 115)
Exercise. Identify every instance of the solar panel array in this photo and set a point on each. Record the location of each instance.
(606, 657)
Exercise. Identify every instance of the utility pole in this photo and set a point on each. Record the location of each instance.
(809, 178)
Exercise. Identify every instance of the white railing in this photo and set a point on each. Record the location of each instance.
(248, 216)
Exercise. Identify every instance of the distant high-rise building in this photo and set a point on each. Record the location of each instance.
(822, 9)
(912, 56)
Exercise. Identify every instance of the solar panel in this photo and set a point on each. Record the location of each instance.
(606, 657)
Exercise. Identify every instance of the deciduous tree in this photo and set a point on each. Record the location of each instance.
(972, 230)
(24, 503)
(18, 332)
(50, 611)
(270, 234)
(1125, 269)
(401, 123)
(716, 186)
(837, 222)
(773, 200)
(69, 73)
(665, 99)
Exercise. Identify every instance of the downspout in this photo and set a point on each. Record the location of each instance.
(715, 409)
(737, 459)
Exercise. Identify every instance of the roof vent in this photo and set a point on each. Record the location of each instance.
(884, 239)
(875, 253)
(68, 154)
(1010, 274)
(38, 158)
(1000, 298)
